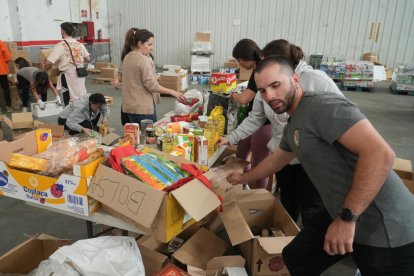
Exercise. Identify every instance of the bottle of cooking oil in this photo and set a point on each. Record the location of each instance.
(210, 134)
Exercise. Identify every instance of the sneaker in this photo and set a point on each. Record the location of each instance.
(24, 109)
(9, 109)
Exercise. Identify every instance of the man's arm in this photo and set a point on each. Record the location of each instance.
(375, 159)
(271, 164)
(47, 65)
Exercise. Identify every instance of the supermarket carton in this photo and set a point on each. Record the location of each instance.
(404, 169)
(160, 213)
(153, 260)
(20, 120)
(29, 254)
(40, 189)
(223, 82)
(100, 65)
(199, 250)
(52, 109)
(172, 82)
(231, 63)
(109, 73)
(258, 208)
(244, 74)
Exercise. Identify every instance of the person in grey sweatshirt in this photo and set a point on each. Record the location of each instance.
(298, 194)
(83, 115)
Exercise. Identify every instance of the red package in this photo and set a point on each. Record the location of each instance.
(116, 155)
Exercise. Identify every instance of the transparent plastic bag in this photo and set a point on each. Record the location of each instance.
(189, 105)
(52, 267)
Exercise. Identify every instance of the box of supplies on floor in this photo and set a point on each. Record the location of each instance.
(52, 109)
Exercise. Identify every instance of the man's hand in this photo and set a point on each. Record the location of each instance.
(223, 141)
(339, 237)
(41, 104)
(235, 178)
(87, 131)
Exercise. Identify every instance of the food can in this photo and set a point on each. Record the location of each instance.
(150, 133)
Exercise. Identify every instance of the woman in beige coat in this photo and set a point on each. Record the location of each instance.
(139, 82)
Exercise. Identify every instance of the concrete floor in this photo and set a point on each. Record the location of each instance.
(392, 115)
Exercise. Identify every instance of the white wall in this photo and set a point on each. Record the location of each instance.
(39, 20)
(330, 27)
(5, 30)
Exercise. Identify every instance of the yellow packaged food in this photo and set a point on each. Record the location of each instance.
(28, 163)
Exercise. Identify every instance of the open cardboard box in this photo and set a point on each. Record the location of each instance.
(29, 254)
(153, 260)
(404, 169)
(36, 188)
(160, 213)
(261, 209)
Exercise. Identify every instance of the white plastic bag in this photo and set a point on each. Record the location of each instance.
(181, 108)
(109, 255)
(52, 267)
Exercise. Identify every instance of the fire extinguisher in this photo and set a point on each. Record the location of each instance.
(99, 34)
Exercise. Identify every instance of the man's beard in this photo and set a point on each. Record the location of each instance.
(287, 102)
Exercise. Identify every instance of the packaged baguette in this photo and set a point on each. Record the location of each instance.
(28, 163)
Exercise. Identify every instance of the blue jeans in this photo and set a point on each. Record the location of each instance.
(137, 118)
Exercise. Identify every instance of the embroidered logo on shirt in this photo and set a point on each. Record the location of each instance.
(296, 138)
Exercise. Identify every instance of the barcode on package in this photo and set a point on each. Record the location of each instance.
(75, 200)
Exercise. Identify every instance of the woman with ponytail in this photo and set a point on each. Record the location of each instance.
(247, 53)
(139, 83)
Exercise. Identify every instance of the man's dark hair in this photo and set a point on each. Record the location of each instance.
(284, 63)
(97, 98)
(68, 28)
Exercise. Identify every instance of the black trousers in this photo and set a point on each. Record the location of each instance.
(305, 254)
(91, 124)
(4, 82)
(124, 117)
(297, 193)
(24, 87)
(65, 95)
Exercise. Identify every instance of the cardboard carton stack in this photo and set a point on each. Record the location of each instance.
(174, 77)
(404, 170)
(53, 72)
(201, 52)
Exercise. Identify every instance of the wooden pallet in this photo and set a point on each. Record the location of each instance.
(357, 89)
(94, 71)
(102, 80)
(200, 72)
(401, 92)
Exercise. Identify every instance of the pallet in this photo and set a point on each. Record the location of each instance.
(94, 71)
(358, 89)
(401, 92)
(200, 72)
(102, 80)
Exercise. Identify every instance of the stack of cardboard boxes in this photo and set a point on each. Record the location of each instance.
(201, 52)
(174, 77)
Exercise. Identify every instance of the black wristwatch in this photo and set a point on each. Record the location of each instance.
(346, 214)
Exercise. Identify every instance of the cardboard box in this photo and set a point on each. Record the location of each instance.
(153, 260)
(373, 57)
(245, 74)
(29, 254)
(223, 83)
(200, 249)
(100, 65)
(52, 109)
(36, 188)
(163, 214)
(404, 170)
(53, 71)
(171, 82)
(261, 209)
(20, 120)
(231, 63)
(200, 63)
(109, 73)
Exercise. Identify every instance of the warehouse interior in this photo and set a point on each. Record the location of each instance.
(364, 47)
